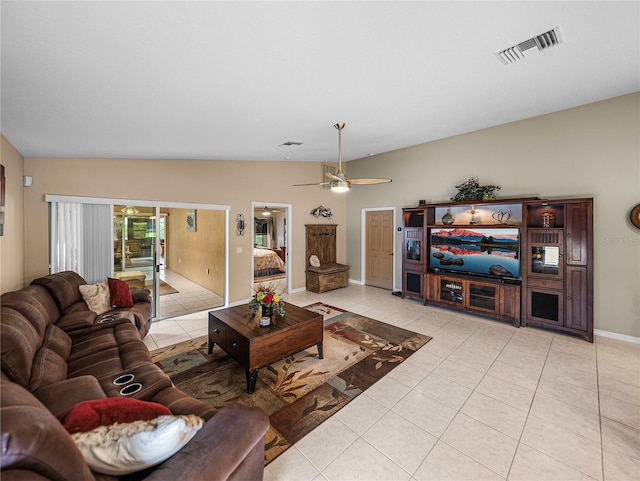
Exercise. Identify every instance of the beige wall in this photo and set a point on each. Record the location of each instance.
(593, 150)
(236, 184)
(12, 242)
(190, 254)
(588, 151)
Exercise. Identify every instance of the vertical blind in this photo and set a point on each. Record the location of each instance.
(81, 239)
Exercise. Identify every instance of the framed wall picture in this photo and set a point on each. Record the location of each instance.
(191, 221)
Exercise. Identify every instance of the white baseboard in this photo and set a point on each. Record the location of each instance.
(615, 335)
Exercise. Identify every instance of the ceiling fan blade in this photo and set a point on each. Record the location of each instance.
(369, 181)
(334, 177)
(314, 183)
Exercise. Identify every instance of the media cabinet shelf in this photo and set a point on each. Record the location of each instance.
(555, 283)
(493, 297)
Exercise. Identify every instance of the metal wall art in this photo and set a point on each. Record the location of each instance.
(240, 225)
(321, 212)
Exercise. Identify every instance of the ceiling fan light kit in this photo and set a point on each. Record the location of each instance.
(338, 181)
(340, 186)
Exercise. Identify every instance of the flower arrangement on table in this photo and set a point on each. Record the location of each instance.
(267, 299)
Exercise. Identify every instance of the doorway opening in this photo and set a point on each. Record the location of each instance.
(271, 239)
(177, 253)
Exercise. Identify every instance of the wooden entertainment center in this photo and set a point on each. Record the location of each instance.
(550, 249)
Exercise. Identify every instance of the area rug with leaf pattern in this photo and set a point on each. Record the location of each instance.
(301, 391)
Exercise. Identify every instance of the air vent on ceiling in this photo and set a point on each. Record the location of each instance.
(542, 42)
(290, 142)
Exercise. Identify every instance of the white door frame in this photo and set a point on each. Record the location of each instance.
(363, 244)
(288, 219)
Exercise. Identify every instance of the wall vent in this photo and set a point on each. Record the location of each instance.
(542, 42)
(327, 169)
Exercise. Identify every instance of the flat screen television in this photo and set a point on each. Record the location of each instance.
(486, 251)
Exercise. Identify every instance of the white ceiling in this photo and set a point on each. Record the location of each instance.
(234, 80)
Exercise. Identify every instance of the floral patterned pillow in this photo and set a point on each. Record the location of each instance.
(96, 296)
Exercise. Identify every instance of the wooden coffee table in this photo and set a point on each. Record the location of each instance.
(239, 334)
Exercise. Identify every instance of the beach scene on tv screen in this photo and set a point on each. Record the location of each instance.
(490, 252)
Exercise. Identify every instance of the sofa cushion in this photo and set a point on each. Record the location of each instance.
(96, 296)
(122, 449)
(89, 415)
(63, 287)
(61, 396)
(48, 368)
(73, 321)
(35, 303)
(19, 342)
(119, 293)
(58, 341)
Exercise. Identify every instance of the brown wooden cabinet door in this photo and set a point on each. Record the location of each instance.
(545, 306)
(576, 300)
(451, 290)
(431, 287)
(412, 283)
(577, 217)
(483, 296)
(545, 257)
(510, 301)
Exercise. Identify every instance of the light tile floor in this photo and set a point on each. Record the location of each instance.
(482, 401)
(190, 297)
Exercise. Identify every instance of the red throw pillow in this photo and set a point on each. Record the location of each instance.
(88, 415)
(120, 293)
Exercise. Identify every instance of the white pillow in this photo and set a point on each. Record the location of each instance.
(125, 448)
(96, 296)
(314, 261)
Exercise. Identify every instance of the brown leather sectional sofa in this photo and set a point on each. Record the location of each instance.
(55, 354)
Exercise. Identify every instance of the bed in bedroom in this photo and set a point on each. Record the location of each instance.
(268, 262)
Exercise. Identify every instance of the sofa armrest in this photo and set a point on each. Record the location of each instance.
(219, 449)
(61, 396)
(141, 295)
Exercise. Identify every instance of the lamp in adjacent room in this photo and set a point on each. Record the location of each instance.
(129, 210)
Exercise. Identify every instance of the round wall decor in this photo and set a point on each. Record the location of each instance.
(635, 216)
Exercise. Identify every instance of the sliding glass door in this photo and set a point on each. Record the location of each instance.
(176, 250)
(135, 247)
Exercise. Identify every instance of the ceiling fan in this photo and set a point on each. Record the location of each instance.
(339, 181)
(266, 211)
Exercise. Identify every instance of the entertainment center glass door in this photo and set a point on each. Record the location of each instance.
(483, 296)
(545, 254)
(451, 291)
(545, 270)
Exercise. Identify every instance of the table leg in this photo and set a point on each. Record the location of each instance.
(320, 355)
(210, 346)
(252, 377)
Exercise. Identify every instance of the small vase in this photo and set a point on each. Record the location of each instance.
(447, 219)
(266, 311)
